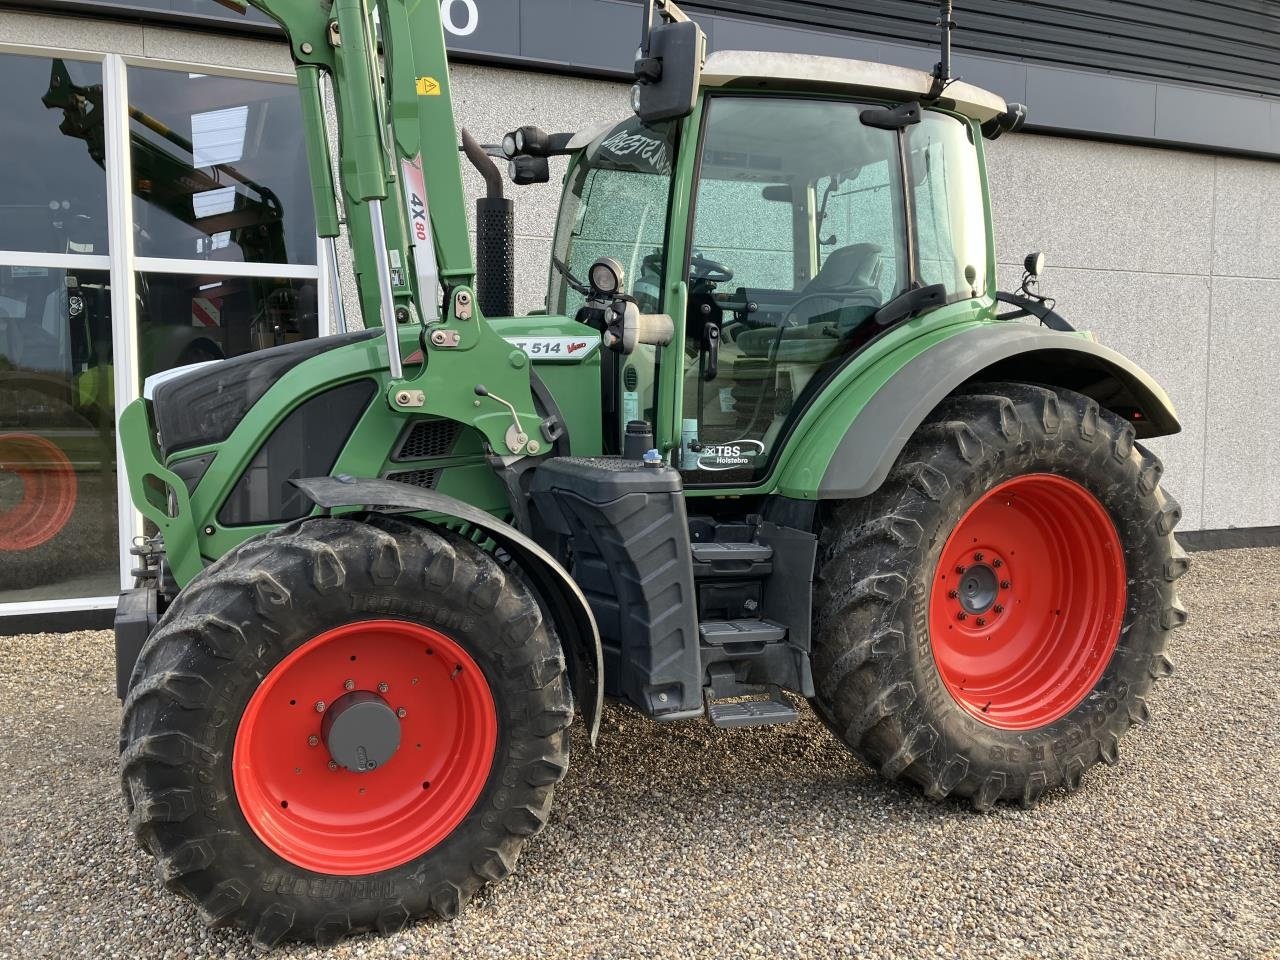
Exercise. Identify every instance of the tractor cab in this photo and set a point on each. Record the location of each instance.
(811, 208)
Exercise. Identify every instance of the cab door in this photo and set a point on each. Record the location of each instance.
(797, 236)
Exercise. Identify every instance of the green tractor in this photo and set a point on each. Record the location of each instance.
(777, 435)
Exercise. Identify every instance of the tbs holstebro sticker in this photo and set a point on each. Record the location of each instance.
(727, 456)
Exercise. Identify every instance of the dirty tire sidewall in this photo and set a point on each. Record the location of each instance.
(235, 622)
(878, 685)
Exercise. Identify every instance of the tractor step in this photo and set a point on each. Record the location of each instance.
(729, 633)
(772, 709)
(721, 559)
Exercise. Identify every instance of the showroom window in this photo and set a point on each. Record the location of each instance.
(154, 215)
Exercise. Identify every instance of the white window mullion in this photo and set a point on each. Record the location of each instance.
(56, 261)
(326, 322)
(227, 268)
(124, 329)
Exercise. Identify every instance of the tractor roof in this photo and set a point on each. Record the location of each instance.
(783, 71)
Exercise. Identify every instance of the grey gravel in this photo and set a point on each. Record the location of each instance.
(686, 841)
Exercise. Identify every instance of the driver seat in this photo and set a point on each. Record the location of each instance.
(847, 283)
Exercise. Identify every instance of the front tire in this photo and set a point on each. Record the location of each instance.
(990, 621)
(344, 726)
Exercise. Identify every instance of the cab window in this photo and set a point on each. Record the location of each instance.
(946, 194)
(798, 239)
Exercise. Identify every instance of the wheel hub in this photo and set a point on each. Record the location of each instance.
(979, 586)
(361, 731)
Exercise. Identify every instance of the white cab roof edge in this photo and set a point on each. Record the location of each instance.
(877, 79)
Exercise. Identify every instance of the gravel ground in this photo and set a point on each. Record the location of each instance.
(687, 841)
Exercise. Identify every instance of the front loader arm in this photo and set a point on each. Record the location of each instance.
(398, 143)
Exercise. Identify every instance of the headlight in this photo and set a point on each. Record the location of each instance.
(606, 276)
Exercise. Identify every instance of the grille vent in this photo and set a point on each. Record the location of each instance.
(428, 439)
(417, 478)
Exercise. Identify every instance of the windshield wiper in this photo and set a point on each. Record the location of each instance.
(569, 278)
(911, 302)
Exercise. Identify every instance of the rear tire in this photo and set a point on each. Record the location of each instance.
(1073, 630)
(208, 713)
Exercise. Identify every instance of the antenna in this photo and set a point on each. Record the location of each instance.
(942, 71)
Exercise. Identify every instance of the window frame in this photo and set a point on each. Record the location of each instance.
(123, 266)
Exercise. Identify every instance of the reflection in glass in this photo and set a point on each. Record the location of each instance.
(190, 318)
(219, 169)
(53, 194)
(57, 435)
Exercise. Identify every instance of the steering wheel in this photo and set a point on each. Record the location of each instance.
(712, 271)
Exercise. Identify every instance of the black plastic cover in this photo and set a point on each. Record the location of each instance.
(136, 614)
(205, 406)
(627, 530)
(305, 444)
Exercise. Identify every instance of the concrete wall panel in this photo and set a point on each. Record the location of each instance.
(1246, 236)
(1102, 206)
(1242, 448)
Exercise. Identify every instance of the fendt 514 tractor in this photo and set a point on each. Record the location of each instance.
(777, 435)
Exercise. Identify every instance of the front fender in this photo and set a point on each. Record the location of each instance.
(561, 597)
(853, 445)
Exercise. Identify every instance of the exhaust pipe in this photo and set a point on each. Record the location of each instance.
(495, 237)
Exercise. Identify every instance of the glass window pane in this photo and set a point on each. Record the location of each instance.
(189, 318)
(57, 436)
(53, 193)
(219, 168)
(946, 188)
(798, 239)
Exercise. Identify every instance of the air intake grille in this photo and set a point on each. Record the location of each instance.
(428, 439)
(417, 478)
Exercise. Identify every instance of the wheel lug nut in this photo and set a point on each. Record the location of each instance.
(997, 563)
(959, 569)
(313, 741)
(349, 685)
(998, 608)
(977, 558)
(402, 713)
(333, 764)
(951, 594)
(382, 687)
(962, 615)
(319, 706)
(1005, 584)
(981, 621)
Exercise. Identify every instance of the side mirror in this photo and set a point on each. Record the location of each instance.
(667, 77)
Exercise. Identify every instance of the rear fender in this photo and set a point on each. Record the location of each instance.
(852, 448)
(560, 596)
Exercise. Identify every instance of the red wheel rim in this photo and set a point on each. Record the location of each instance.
(1027, 602)
(47, 495)
(333, 820)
